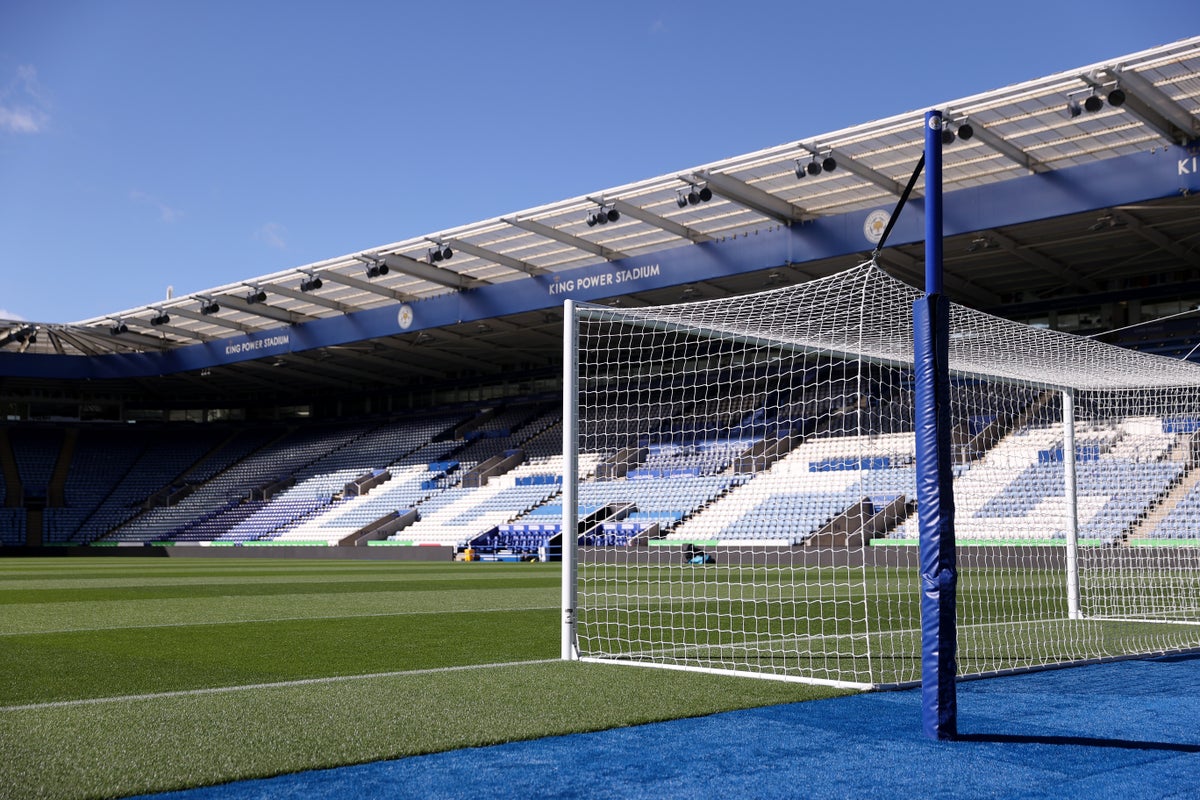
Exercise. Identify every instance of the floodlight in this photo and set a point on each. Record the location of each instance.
(813, 167)
(1116, 98)
(1093, 103)
(613, 215)
(705, 194)
(256, 295)
(965, 131)
(311, 283)
(681, 199)
(1073, 109)
(828, 164)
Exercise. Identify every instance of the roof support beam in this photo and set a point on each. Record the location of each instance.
(668, 225)
(292, 367)
(81, 340)
(1157, 238)
(476, 343)
(332, 364)
(212, 319)
(56, 342)
(504, 326)
(496, 258)
(239, 372)
(914, 269)
(307, 297)
(751, 197)
(1007, 149)
(263, 310)
(364, 286)
(183, 333)
(397, 359)
(568, 239)
(428, 272)
(1043, 262)
(866, 173)
(1150, 104)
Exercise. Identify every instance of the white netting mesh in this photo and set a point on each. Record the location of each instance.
(769, 439)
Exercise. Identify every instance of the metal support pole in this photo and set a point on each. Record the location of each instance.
(570, 493)
(931, 373)
(1071, 520)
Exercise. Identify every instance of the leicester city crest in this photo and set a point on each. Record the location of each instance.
(874, 225)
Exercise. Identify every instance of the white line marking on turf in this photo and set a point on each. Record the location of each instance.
(90, 701)
(252, 620)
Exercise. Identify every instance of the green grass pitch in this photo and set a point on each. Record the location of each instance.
(127, 675)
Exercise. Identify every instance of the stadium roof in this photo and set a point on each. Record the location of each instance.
(1020, 130)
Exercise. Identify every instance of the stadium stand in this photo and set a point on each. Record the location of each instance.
(489, 477)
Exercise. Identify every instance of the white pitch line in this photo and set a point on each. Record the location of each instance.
(252, 620)
(91, 701)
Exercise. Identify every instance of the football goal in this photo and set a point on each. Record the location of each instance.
(740, 477)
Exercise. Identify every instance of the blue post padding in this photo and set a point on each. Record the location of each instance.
(939, 577)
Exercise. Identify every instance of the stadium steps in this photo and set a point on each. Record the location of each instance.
(33, 527)
(56, 492)
(12, 476)
(1145, 526)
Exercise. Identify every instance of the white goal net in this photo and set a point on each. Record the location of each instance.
(749, 503)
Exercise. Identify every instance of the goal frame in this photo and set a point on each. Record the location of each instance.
(936, 568)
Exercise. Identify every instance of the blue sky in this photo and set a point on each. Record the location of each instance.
(191, 144)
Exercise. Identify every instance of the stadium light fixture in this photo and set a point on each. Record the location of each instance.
(376, 269)
(829, 164)
(956, 130)
(979, 243)
(256, 295)
(209, 306)
(603, 216)
(1073, 108)
(160, 317)
(1116, 98)
(118, 327)
(813, 167)
(699, 193)
(439, 252)
(1093, 103)
(311, 282)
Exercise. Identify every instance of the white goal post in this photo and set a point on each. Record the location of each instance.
(740, 479)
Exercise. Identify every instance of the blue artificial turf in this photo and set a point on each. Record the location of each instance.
(1123, 730)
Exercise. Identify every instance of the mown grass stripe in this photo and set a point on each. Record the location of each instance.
(256, 620)
(88, 701)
